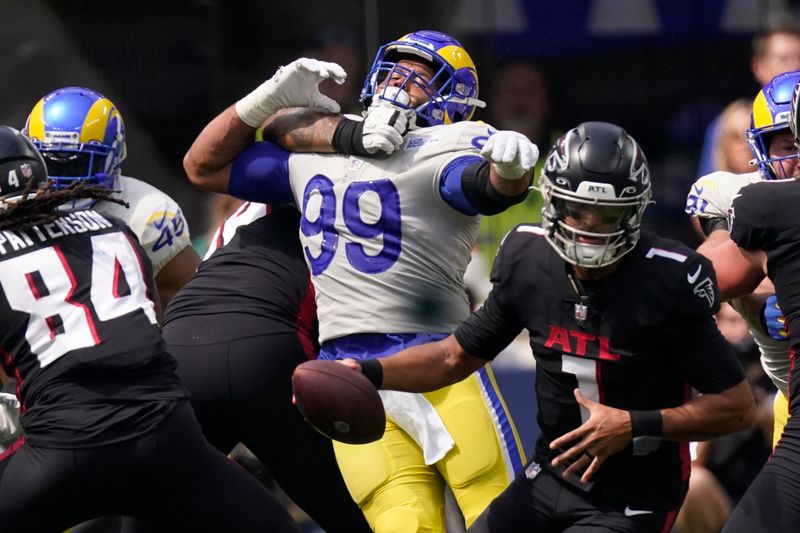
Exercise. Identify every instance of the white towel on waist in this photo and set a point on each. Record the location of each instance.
(417, 417)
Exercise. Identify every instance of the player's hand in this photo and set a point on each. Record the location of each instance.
(295, 85)
(512, 154)
(774, 321)
(10, 426)
(350, 363)
(606, 432)
(385, 123)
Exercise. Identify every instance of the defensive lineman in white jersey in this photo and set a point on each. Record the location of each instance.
(712, 196)
(387, 243)
(364, 282)
(710, 200)
(81, 135)
(155, 218)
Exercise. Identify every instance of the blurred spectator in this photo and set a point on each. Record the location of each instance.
(732, 153)
(774, 52)
(520, 100)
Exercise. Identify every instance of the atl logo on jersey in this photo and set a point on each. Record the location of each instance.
(580, 343)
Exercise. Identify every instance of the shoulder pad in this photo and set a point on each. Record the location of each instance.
(682, 279)
(711, 195)
(520, 244)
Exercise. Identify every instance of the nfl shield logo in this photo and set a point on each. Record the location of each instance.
(26, 169)
(581, 312)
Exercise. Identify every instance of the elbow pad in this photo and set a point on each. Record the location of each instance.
(482, 195)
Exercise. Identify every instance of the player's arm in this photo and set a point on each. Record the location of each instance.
(492, 183)
(434, 365)
(609, 430)
(176, 273)
(710, 415)
(208, 161)
(713, 239)
(421, 368)
(739, 271)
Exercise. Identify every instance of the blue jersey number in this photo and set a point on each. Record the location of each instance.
(387, 225)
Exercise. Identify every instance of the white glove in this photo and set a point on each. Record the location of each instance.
(511, 154)
(10, 426)
(295, 85)
(385, 123)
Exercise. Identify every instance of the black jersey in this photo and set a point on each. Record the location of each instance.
(79, 333)
(639, 339)
(256, 268)
(765, 216)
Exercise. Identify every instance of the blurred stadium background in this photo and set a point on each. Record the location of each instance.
(662, 69)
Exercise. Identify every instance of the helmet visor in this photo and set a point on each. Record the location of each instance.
(74, 164)
(603, 214)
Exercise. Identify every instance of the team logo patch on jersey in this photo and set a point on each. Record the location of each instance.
(691, 278)
(705, 289)
(581, 312)
(354, 164)
(533, 470)
(415, 143)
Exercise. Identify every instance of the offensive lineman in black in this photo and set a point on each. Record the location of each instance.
(108, 426)
(621, 327)
(238, 329)
(764, 241)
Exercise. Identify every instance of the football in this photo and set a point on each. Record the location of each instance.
(338, 402)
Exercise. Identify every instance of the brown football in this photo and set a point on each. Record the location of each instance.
(338, 401)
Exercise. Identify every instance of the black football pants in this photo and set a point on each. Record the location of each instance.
(241, 391)
(170, 477)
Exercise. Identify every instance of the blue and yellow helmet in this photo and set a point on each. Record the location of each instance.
(453, 90)
(81, 135)
(771, 110)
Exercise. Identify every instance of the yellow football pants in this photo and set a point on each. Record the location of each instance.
(780, 415)
(399, 493)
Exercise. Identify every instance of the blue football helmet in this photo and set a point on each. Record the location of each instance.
(452, 91)
(81, 135)
(771, 110)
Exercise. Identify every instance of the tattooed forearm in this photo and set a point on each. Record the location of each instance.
(302, 129)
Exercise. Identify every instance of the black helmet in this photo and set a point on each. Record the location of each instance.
(19, 163)
(596, 164)
(794, 115)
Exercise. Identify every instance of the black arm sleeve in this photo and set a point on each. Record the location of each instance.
(348, 138)
(482, 195)
(710, 224)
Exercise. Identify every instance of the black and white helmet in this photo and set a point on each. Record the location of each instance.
(596, 166)
(20, 162)
(794, 115)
